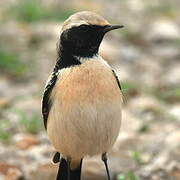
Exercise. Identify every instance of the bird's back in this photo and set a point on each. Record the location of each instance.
(86, 109)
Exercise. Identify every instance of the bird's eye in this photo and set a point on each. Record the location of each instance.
(83, 27)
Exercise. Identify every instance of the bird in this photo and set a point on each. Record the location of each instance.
(82, 100)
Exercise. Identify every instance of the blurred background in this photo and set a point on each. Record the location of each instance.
(145, 55)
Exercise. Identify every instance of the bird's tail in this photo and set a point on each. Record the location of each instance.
(65, 173)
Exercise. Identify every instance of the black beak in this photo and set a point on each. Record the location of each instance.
(112, 27)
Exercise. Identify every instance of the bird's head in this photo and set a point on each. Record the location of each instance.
(83, 32)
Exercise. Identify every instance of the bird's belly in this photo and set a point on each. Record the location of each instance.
(85, 130)
(85, 116)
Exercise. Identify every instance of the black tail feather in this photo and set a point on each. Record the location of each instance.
(63, 170)
(75, 174)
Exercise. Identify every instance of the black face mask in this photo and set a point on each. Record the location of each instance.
(83, 41)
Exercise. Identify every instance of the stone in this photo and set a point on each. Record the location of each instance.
(4, 167)
(45, 171)
(4, 103)
(10, 172)
(173, 140)
(14, 174)
(171, 77)
(163, 30)
(175, 111)
(26, 142)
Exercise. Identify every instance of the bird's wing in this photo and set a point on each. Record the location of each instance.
(117, 80)
(46, 101)
(56, 158)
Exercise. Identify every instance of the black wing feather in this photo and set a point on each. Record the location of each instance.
(46, 101)
(118, 82)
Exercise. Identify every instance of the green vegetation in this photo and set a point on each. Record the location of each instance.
(5, 134)
(127, 85)
(176, 42)
(136, 155)
(130, 89)
(31, 124)
(129, 176)
(121, 177)
(143, 128)
(34, 10)
(11, 64)
(168, 10)
(168, 95)
(132, 36)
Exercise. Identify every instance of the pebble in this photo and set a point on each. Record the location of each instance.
(162, 29)
(26, 142)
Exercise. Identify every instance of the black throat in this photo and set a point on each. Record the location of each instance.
(65, 59)
(82, 41)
